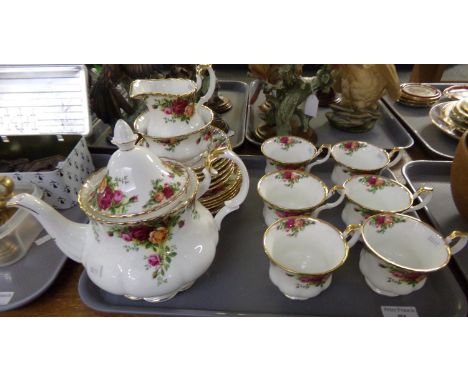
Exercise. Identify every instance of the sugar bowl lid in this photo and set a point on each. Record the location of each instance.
(135, 183)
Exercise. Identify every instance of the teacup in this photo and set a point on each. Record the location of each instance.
(370, 194)
(183, 147)
(294, 192)
(357, 157)
(401, 251)
(303, 254)
(172, 109)
(292, 153)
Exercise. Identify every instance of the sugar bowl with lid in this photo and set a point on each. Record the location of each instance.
(357, 157)
(292, 153)
(148, 236)
(369, 194)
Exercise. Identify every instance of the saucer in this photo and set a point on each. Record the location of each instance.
(439, 115)
(456, 92)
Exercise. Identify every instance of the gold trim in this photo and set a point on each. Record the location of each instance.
(449, 128)
(389, 159)
(383, 258)
(224, 192)
(224, 198)
(308, 175)
(168, 163)
(200, 68)
(372, 209)
(447, 91)
(180, 137)
(299, 164)
(271, 226)
(435, 97)
(171, 95)
(97, 218)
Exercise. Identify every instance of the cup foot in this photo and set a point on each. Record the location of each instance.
(380, 291)
(296, 298)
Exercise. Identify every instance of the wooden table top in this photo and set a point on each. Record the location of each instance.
(62, 298)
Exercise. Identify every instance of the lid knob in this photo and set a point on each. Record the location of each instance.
(124, 138)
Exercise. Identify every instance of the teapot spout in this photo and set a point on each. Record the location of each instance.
(69, 236)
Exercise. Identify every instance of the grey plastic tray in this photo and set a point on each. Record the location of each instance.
(28, 278)
(237, 283)
(418, 122)
(387, 133)
(441, 210)
(236, 91)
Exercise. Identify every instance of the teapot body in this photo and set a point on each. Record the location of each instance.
(152, 260)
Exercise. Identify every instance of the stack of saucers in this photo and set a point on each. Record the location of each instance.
(226, 180)
(451, 117)
(459, 114)
(418, 95)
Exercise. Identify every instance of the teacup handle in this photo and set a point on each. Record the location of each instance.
(324, 159)
(336, 188)
(351, 234)
(427, 199)
(211, 87)
(399, 152)
(463, 236)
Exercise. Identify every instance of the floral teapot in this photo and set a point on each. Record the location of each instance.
(148, 236)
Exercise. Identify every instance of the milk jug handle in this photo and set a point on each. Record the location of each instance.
(211, 88)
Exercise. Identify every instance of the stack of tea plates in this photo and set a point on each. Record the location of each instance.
(418, 95)
(226, 182)
(451, 117)
(456, 92)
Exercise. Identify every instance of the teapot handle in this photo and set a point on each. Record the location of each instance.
(463, 236)
(211, 87)
(427, 199)
(234, 203)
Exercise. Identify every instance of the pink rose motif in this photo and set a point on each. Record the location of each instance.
(388, 220)
(372, 180)
(284, 214)
(284, 140)
(140, 233)
(127, 237)
(380, 219)
(299, 223)
(287, 175)
(380, 182)
(179, 105)
(104, 199)
(189, 109)
(118, 196)
(154, 260)
(167, 110)
(168, 191)
(290, 223)
(348, 145)
(158, 197)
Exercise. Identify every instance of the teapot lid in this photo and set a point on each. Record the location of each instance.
(136, 181)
